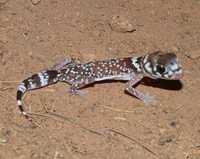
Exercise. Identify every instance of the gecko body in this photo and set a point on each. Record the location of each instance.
(157, 65)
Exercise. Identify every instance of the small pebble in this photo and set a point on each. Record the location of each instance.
(35, 2)
(173, 124)
(3, 141)
(166, 139)
(121, 24)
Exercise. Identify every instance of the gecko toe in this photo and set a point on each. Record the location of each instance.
(77, 92)
(149, 100)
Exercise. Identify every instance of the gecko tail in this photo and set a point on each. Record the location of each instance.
(35, 81)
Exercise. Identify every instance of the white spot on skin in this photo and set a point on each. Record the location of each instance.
(43, 78)
(32, 85)
(21, 87)
(82, 80)
(135, 63)
(174, 67)
(86, 81)
(170, 73)
(67, 70)
(166, 76)
(19, 102)
(145, 59)
(24, 113)
(129, 71)
(157, 73)
(148, 67)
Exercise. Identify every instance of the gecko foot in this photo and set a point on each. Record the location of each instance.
(62, 64)
(77, 92)
(149, 100)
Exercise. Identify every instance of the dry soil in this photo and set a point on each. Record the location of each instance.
(104, 123)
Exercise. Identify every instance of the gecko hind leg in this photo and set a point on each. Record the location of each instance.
(63, 64)
(76, 91)
(75, 88)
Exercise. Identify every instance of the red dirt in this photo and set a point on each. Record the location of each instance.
(105, 122)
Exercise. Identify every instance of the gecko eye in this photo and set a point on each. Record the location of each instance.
(160, 69)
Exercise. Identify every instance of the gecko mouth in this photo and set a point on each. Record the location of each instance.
(178, 75)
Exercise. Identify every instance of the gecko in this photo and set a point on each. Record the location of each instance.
(156, 65)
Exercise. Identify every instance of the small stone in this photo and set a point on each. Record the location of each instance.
(166, 139)
(173, 124)
(35, 2)
(3, 141)
(193, 54)
(121, 24)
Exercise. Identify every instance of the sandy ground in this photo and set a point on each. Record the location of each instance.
(105, 123)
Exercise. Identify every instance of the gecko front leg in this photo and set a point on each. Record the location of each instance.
(130, 89)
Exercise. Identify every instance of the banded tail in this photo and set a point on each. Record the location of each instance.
(35, 81)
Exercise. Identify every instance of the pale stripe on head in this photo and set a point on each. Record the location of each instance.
(136, 64)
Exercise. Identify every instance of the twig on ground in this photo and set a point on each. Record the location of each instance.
(61, 118)
(135, 141)
(9, 81)
(116, 110)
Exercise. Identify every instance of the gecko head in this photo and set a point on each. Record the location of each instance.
(162, 66)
